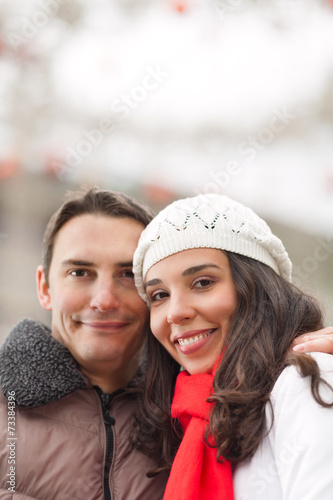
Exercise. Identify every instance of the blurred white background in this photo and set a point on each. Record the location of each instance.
(162, 99)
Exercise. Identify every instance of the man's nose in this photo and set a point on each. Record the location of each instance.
(105, 297)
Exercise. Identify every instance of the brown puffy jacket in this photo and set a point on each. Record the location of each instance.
(60, 444)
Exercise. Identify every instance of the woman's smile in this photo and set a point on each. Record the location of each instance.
(193, 337)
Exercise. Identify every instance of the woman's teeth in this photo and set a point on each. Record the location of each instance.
(193, 340)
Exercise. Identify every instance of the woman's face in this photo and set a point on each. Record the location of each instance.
(193, 301)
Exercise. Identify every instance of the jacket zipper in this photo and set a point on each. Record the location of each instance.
(109, 421)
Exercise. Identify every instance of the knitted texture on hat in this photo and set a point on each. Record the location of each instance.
(208, 221)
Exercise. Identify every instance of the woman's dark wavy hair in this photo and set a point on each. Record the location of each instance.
(271, 313)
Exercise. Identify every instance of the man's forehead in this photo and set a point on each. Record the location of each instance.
(101, 226)
(90, 237)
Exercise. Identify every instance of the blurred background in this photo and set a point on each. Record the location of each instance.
(164, 99)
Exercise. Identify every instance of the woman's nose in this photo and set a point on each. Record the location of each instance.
(179, 310)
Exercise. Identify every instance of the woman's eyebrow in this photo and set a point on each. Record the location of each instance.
(153, 282)
(187, 272)
(195, 269)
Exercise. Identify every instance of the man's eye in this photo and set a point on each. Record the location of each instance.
(79, 273)
(128, 274)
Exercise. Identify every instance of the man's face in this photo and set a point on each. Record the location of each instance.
(96, 311)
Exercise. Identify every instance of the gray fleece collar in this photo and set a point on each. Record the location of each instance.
(36, 366)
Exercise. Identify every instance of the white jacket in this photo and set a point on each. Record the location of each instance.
(295, 460)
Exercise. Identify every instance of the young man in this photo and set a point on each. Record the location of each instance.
(68, 401)
(68, 396)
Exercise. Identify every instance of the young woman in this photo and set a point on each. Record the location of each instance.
(218, 284)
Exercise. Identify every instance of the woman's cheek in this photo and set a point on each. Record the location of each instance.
(156, 325)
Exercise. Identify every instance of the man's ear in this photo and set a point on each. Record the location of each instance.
(43, 291)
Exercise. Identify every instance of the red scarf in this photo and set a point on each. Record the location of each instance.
(195, 473)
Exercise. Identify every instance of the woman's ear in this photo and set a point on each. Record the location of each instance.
(43, 291)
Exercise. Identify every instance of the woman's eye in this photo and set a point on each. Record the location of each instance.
(158, 296)
(203, 283)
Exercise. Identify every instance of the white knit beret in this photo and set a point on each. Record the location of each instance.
(208, 221)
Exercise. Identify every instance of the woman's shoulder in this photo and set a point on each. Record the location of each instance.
(294, 458)
(291, 383)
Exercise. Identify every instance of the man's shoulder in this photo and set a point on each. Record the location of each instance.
(38, 368)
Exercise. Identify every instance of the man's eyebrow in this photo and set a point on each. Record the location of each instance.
(87, 263)
(125, 264)
(187, 272)
(77, 262)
